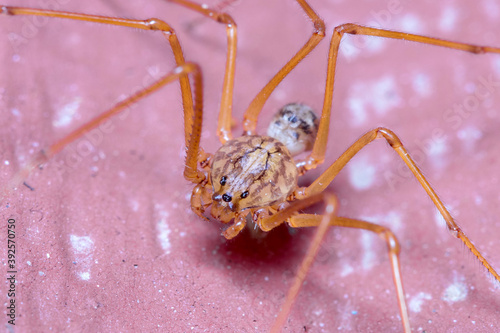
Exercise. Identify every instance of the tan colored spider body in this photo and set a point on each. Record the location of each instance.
(251, 172)
(259, 177)
(256, 173)
(246, 174)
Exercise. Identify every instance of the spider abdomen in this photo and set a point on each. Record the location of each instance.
(252, 171)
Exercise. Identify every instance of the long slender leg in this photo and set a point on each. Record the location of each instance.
(149, 24)
(191, 171)
(226, 105)
(322, 222)
(252, 113)
(190, 117)
(317, 156)
(393, 248)
(326, 178)
(273, 221)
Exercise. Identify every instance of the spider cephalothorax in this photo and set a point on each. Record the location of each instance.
(248, 175)
(256, 174)
(252, 171)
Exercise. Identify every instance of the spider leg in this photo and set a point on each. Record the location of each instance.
(191, 171)
(267, 223)
(326, 178)
(322, 222)
(317, 156)
(393, 248)
(150, 24)
(252, 113)
(226, 105)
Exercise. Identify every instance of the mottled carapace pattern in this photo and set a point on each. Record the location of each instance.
(296, 126)
(253, 171)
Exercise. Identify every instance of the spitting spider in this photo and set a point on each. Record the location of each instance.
(183, 295)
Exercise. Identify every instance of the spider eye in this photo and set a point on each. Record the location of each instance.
(223, 180)
(244, 194)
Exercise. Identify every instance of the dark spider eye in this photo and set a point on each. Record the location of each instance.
(227, 198)
(223, 180)
(244, 194)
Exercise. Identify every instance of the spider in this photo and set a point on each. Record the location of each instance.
(323, 42)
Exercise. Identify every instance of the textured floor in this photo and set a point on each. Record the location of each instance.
(107, 242)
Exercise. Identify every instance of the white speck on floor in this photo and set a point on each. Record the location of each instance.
(163, 229)
(478, 200)
(361, 173)
(15, 112)
(82, 245)
(135, 205)
(422, 85)
(416, 302)
(448, 19)
(455, 292)
(368, 260)
(496, 65)
(469, 136)
(358, 111)
(354, 46)
(65, 115)
(385, 95)
(411, 23)
(437, 147)
(349, 48)
(346, 270)
(393, 219)
(379, 95)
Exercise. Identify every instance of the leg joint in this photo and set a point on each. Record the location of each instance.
(392, 241)
(319, 27)
(349, 28)
(157, 24)
(389, 136)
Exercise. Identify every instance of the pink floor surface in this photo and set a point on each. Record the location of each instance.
(107, 241)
